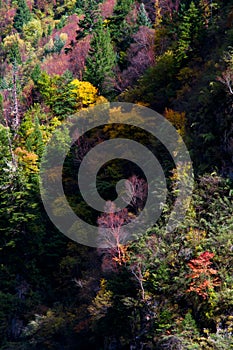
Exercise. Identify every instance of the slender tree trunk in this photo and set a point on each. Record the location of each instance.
(16, 120)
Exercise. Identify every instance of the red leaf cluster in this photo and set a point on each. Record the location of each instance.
(140, 55)
(106, 8)
(7, 15)
(70, 29)
(202, 275)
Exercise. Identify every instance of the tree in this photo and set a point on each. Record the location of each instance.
(12, 44)
(6, 18)
(140, 55)
(107, 8)
(143, 19)
(101, 60)
(189, 31)
(177, 119)
(90, 20)
(169, 7)
(203, 276)
(32, 31)
(113, 235)
(56, 93)
(85, 93)
(22, 16)
(122, 24)
(227, 76)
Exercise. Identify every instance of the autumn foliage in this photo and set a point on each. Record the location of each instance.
(203, 276)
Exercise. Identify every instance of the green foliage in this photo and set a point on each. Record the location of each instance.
(36, 73)
(55, 46)
(123, 7)
(32, 31)
(189, 31)
(23, 15)
(57, 93)
(101, 61)
(89, 23)
(122, 29)
(13, 52)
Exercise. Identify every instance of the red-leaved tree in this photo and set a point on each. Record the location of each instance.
(140, 55)
(113, 224)
(203, 276)
(107, 7)
(113, 235)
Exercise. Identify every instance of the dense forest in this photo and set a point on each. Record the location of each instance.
(162, 290)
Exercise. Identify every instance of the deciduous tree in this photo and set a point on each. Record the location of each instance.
(203, 276)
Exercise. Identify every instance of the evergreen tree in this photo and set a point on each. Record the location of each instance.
(88, 24)
(14, 54)
(119, 27)
(101, 60)
(22, 16)
(189, 31)
(122, 7)
(143, 19)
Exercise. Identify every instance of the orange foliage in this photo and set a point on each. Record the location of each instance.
(202, 275)
(27, 159)
(122, 255)
(177, 119)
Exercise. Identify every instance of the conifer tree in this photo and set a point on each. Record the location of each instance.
(190, 30)
(87, 24)
(143, 19)
(23, 15)
(101, 60)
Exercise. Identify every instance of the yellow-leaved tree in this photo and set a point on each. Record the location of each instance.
(177, 119)
(86, 94)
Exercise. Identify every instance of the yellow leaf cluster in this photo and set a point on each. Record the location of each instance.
(122, 256)
(63, 37)
(27, 159)
(101, 302)
(195, 237)
(86, 94)
(177, 119)
(12, 39)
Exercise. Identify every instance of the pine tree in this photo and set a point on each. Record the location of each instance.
(101, 60)
(120, 28)
(143, 19)
(23, 15)
(190, 29)
(87, 24)
(122, 7)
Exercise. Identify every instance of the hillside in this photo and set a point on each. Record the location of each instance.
(163, 289)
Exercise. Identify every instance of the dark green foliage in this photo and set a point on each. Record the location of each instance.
(122, 29)
(123, 7)
(189, 31)
(91, 14)
(14, 54)
(23, 15)
(36, 73)
(101, 61)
